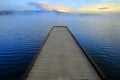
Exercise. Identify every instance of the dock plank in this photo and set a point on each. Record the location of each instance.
(62, 59)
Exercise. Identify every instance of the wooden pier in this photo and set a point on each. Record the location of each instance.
(62, 58)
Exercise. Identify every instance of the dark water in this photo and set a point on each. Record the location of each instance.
(22, 35)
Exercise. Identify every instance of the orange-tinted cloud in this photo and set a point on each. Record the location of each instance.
(106, 7)
(46, 7)
(62, 9)
(58, 8)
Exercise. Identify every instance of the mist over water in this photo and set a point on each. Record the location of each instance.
(21, 37)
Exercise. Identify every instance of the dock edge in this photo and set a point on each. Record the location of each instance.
(95, 66)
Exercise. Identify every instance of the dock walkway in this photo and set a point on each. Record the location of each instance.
(62, 59)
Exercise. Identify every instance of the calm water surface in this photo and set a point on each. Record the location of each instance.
(22, 35)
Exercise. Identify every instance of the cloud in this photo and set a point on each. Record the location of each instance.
(36, 5)
(62, 9)
(104, 7)
(58, 8)
(45, 6)
(97, 8)
(41, 6)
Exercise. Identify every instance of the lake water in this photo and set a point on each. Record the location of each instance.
(22, 35)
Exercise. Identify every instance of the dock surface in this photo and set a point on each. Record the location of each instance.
(62, 59)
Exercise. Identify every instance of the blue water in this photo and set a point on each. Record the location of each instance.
(22, 35)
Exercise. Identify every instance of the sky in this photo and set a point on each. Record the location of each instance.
(97, 6)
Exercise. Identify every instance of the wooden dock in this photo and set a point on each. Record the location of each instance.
(62, 58)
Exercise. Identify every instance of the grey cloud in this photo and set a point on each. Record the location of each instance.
(36, 5)
(103, 8)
